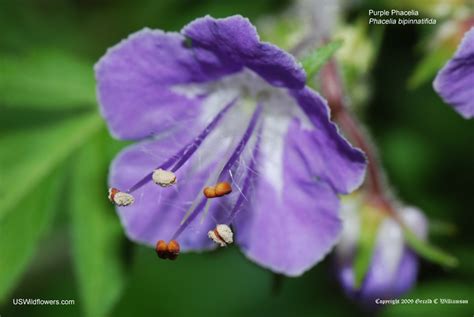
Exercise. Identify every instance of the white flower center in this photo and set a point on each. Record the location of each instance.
(279, 108)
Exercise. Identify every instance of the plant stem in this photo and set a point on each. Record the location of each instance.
(332, 89)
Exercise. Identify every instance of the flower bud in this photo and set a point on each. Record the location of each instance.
(391, 267)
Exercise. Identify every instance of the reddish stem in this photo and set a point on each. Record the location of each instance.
(333, 91)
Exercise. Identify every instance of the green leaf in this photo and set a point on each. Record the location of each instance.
(429, 66)
(96, 233)
(428, 251)
(30, 155)
(20, 231)
(366, 244)
(46, 79)
(313, 62)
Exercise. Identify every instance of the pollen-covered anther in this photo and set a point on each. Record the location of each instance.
(209, 192)
(221, 189)
(119, 198)
(222, 235)
(161, 249)
(167, 250)
(173, 249)
(164, 178)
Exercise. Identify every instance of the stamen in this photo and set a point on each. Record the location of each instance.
(161, 249)
(167, 250)
(173, 249)
(119, 198)
(221, 189)
(187, 151)
(209, 192)
(191, 214)
(222, 235)
(112, 192)
(247, 180)
(190, 218)
(224, 188)
(211, 179)
(240, 147)
(164, 178)
(194, 145)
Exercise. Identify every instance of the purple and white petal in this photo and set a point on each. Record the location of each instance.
(137, 77)
(136, 80)
(291, 221)
(332, 157)
(455, 81)
(236, 39)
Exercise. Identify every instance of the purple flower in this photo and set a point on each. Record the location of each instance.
(394, 267)
(455, 81)
(213, 104)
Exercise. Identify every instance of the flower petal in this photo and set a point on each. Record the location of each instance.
(236, 39)
(455, 81)
(289, 229)
(136, 79)
(332, 157)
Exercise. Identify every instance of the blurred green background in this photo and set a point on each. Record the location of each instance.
(60, 237)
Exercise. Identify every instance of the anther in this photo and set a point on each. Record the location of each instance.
(209, 192)
(112, 192)
(162, 249)
(219, 190)
(222, 235)
(223, 188)
(167, 250)
(173, 250)
(120, 198)
(164, 178)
